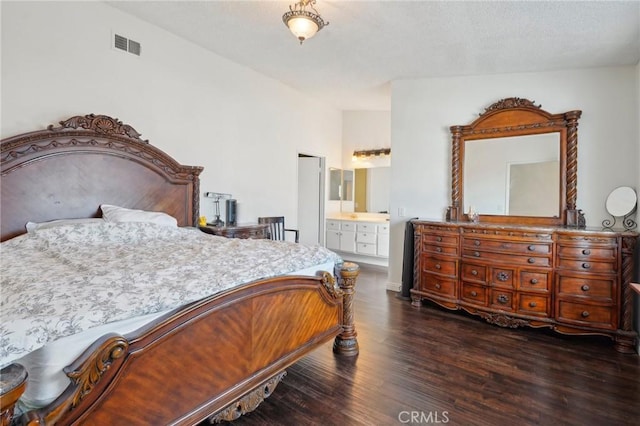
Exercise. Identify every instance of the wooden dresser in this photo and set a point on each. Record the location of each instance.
(574, 281)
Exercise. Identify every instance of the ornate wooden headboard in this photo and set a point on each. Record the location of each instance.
(67, 171)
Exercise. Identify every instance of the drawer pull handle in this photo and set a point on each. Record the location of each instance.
(584, 314)
(585, 265)
(438, 266)
(531, 260)
(533, 304)
(439, 249)
(476, 253)
(585, 287)
(502, 276)
(505, 245)
(502, 298)
(438, 239)
(474, 293)
(474, 272)
(531, 248)
(438, 286)
(476, 243)
(586, 252)
(534, 281)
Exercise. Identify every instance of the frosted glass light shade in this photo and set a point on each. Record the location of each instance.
(302, 27)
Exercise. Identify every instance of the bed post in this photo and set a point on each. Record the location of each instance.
(346, 343)
(13, 382)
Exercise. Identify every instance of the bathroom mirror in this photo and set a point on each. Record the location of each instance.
(372, 190)
(340, 184)
(347, 185)
(335, 184)
(516, 163)
(621, 203)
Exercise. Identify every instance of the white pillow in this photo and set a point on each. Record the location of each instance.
(34, 226)
(120, 214)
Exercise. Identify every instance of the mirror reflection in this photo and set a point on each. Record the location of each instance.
(347, 185)
(518, 175)
(372, 189)
(364, 190)
(335, 184)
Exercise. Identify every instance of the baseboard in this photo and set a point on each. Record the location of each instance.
(394, 286)
(359, 258)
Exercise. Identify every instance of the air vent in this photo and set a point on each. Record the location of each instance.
(134, 47)
(120, 42)
(123, 43)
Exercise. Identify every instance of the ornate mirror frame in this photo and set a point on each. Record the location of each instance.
(520, 117)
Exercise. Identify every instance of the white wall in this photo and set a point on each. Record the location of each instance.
(422, 111)
(244, 128)
(361, 131)
(365, 130)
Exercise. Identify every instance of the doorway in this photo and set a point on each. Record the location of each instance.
(311, 199)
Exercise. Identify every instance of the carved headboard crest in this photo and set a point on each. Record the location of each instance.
(508, 103)
(99, 124)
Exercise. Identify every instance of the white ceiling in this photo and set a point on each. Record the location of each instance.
(367, 44)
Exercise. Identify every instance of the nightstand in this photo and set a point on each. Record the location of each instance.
(254, 231)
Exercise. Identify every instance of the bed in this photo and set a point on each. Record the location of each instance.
(215, 351)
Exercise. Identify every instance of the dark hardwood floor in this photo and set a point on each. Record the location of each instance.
(431, 366)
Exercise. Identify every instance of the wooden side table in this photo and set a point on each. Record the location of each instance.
(254, 231)
(13, 381)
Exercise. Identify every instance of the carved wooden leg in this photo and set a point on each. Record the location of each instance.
(626, 343)
(346, 342)
(13, 381)
(416, 300)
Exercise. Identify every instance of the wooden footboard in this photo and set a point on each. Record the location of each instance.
(216, 358)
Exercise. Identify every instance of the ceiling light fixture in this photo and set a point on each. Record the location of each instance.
(303, 23)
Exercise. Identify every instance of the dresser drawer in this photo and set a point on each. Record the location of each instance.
(507, 246)
(440, 239)
(586, 314)
(366, 248)
(440, 266)
(366, 237)
(433, 248)
(531, 304)
(605, 253)
(534, 280)
(502, 277)
(474, 293)
(587, 287)
(437, 285)
(501, 299)
(587, 265)
(472, 272)
(513, 259)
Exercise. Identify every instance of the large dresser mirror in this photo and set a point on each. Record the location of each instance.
(516, 163)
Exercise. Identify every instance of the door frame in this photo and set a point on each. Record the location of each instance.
(321, 192)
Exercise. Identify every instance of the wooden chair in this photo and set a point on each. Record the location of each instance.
(276, 228)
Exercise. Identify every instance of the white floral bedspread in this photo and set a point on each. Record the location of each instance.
(63, 280)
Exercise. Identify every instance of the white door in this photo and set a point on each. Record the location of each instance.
(309, 199)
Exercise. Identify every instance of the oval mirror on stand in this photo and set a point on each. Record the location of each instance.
(621, 202)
